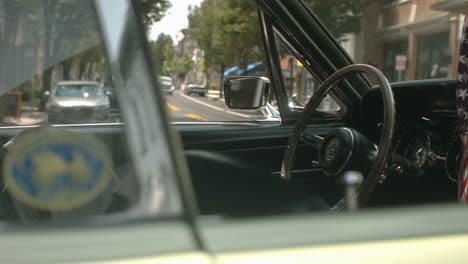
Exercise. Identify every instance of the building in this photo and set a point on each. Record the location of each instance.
(410, 39)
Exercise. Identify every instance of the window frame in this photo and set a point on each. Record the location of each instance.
(295, 37)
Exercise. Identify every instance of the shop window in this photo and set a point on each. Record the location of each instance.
(433, 56)
(392, 50)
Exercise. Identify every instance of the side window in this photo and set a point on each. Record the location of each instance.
(300, 84)
(53, 68)
(196, 46)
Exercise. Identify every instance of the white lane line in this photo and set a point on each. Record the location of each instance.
(214, 107)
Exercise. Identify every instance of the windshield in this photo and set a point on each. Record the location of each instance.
(78, 90)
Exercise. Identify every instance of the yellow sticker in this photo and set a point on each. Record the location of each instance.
(56, 170)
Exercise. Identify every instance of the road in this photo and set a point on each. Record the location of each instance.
(181, 108)
(194, 108)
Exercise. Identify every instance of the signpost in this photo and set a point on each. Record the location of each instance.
(400, 65)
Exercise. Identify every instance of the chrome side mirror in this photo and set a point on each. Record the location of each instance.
(246, 92)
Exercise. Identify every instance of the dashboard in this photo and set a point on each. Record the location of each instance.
(425, 134)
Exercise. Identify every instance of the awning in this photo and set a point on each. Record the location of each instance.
(237, 71)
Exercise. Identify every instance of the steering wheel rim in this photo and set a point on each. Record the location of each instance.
(386, 138)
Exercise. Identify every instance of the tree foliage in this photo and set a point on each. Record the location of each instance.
(227, 31)
(339, 16)
(183, 65)
(153, 11)
(162, 51)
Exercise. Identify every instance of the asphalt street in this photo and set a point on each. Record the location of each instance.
(181, 108)
(194, 108)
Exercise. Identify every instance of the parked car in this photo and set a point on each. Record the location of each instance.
(166, 84)
(195, 89)
(375, 180)
(77, 101)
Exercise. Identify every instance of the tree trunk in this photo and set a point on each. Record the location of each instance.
(82, 68)
(221, 82)
(90, 71)
(208, 83)
(66, 68)
(49, 19)
(7, 39)
(47, 79)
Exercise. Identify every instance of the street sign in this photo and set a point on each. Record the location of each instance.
(400, 62)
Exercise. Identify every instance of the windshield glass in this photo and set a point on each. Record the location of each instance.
(78, 90)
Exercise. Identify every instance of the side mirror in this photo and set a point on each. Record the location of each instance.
(46, 94)
(246, 92)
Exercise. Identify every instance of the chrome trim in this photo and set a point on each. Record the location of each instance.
(62, 125)
(231, 123)
(315, 141)
(457, 156)
(299, 171)
(413, 129)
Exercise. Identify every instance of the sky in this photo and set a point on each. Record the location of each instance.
(175, 19)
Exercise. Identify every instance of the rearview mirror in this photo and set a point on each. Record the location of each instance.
(246, 92)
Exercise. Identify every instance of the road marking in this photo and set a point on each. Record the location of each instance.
(214, 107)
(194, 116)
(175, 108)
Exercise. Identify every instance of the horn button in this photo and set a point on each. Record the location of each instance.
(346, 149)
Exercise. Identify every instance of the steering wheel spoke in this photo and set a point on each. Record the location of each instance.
(312, 139)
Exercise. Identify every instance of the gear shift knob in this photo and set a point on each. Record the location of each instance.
(352, 180)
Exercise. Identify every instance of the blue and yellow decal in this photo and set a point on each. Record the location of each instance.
(56, 170)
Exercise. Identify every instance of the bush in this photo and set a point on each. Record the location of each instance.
(28, 94)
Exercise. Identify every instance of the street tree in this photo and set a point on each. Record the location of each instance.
(153, 11)
(11, 12)
(339, 16)
(182, 66)
(228, 32)
(162, 51)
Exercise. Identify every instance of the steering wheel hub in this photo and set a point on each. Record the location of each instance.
(346, 149)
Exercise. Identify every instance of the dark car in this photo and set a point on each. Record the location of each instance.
(195, 89)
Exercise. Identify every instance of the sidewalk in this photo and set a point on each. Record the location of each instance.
(214, 94)
(27, 119)
(29, 115)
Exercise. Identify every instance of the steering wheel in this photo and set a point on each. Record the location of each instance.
(346, 149)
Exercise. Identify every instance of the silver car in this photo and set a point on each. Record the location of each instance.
(166, 84)
(77, 102)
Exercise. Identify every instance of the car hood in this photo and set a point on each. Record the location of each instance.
(71, 101)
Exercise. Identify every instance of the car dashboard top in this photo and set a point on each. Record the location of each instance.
(426, 123)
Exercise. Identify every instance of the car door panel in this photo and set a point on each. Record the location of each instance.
(304, 237)
(263, 145)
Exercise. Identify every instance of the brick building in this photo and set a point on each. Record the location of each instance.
(424, 34)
